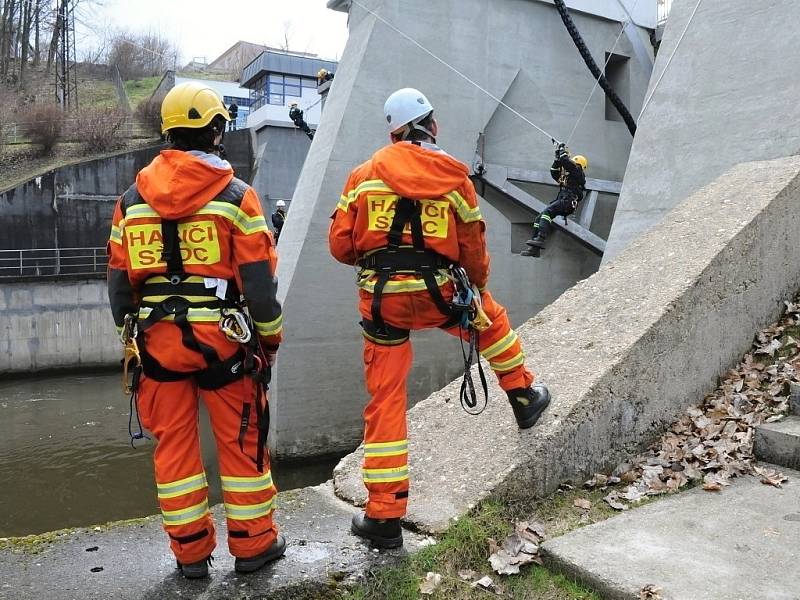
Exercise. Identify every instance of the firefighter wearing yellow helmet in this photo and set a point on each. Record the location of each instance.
(570, 173)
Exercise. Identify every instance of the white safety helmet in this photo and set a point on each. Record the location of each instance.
(405, 108)
(280, 204)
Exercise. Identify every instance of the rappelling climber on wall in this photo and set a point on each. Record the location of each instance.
(279, 218)
(296, 115)
(188, 241)
(409, 217)
(569, 172)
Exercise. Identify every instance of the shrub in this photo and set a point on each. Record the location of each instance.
(148, 113)
(100, 129)
(44, 123)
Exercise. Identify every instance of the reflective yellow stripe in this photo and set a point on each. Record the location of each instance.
(547, 218)
(199, 315)
(460, 205)
(182, 486)
(116, 235)
(385, 475)
(500, 346)
(346, 201)
(245, 223)
(162, 279)
(185, 515)
(507, 365)
(366, 283)
(247, 484)
(270, 327)
(245, 512)
(386, 449)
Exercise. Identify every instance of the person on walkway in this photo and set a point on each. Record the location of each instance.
(323, 75)
(279, 218)
(569, 172)
(405, 216)
(233, 111)
(296, 116)
(186, 240)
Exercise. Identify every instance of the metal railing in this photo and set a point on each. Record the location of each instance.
(17, 133)
(49, 262)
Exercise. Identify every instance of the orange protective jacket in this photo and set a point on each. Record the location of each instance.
(222, 231)
(451, 219)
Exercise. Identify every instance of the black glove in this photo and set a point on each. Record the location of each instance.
(561, 151)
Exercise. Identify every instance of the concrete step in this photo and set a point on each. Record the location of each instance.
(779, 443)
(743, 542)
(794, 399)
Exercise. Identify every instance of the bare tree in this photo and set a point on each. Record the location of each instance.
(142, 54)
(287, 35)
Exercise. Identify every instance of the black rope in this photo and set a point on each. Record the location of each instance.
(589, 60)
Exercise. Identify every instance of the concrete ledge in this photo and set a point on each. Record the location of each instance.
(779, 443)
(624, 352)
(136, 563)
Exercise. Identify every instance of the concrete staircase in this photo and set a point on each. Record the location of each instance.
(779, 443)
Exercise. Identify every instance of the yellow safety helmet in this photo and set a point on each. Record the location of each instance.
(191, 104)
(581, 160)
(322, 73)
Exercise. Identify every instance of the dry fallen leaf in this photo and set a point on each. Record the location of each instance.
(430, 583)
(771, 476)
(583, 503)
(484, 582)
(613, 501)
(650, 592)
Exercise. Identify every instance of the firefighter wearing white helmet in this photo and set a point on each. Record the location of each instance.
(409, 218)
(407, 110)
(279, 218)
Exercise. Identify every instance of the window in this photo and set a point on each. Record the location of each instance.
(618, 76)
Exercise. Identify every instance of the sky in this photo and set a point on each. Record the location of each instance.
(201, 28)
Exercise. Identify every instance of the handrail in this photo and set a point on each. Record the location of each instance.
(49, 262)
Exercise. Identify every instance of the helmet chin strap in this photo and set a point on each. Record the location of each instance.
(416, 126)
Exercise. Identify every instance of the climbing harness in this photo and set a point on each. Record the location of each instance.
(131, 374)
(464, 310)
(180, 296)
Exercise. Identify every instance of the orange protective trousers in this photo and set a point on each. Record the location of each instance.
(386, 369)
(169, 410)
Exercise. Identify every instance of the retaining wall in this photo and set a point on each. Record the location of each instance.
(623, 352)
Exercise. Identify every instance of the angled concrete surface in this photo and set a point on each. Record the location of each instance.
(135, 562)
(779, 443)
(521, 52)
(623, 352)
(741, 543)
(729, 96)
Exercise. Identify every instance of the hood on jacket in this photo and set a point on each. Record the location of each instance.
(177, 183)
(416, 172)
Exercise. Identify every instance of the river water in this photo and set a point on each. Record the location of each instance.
(66, 460)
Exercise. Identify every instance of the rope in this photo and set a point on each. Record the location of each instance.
(456, 71)
(671, 56)
(313, 105)
(592, 65)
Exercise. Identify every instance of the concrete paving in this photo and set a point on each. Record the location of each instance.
(133, 561)
(742, 543)
(779, 443)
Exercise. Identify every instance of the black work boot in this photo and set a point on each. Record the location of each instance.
(196, 570)
(383, 533)
(537, 242)
(254, 563)
(529, 404)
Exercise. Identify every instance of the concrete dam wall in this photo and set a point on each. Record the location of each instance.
(521, 52)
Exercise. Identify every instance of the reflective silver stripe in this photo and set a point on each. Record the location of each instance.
(182, 486)
(386, 448)
(247, 484)
(244, 512)
(385, 475)
(185, 515)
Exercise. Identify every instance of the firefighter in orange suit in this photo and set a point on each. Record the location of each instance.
(188, 241)
(404, 217)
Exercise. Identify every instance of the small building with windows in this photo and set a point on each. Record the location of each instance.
(275, 79)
